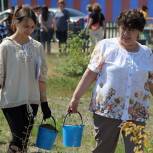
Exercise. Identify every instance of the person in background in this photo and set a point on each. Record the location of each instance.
(3, 32)
(62, 19)
(147, 33)
(96, 24)
(8, 21)
(23, 73)
(36, 33)
(89, 8)
(47, 28)
(89, 11)
(122, 70)
(144, 10)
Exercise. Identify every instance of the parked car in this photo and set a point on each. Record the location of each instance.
(4, 14)
(77, 19)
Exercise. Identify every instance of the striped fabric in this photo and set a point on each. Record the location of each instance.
(110, 8)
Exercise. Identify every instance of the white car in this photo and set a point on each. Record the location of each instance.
(77, 18)
(4, 14)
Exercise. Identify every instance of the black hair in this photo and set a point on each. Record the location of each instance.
(89, 8)
(45, 13)
(144, 8)
(22, 12)
(96, 7)
(132, 19)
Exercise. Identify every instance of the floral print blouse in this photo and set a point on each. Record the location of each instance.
(121, 90)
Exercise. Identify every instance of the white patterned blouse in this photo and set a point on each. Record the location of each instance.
(121, 90)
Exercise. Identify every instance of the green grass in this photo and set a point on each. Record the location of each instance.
(61, 86)
(59, 90)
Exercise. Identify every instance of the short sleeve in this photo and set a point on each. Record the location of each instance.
(43, 69)
(97, 58)
(2, 64)
(151, 71)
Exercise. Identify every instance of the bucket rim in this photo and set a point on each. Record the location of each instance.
(73, 125)
(69, 113)
(47, 128)
(51, 117)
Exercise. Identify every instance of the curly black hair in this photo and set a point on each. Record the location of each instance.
(132, 19)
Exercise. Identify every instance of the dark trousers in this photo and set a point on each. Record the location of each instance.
(20, 121)
(62, 37)
(45, 39)
(107, 133)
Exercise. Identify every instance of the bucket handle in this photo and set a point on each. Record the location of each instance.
(69, 115)
(52, 119)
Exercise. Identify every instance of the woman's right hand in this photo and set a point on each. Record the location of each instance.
(73, 105)
(87, 79)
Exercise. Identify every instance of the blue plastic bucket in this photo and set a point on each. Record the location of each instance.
(46, 135)
(72, 134)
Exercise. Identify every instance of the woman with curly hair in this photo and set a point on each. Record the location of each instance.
(122, 70)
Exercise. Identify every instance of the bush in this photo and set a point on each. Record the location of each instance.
(76, 60)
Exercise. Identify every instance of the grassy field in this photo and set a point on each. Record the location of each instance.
(60, 89)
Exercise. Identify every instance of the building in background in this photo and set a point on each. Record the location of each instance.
(110, 8)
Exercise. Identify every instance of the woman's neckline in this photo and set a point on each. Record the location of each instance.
(19, 43)
(136, 50)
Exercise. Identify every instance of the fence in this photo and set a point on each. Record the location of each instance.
(111, 29)
(146, 37)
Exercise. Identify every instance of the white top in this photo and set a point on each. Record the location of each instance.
(21, 66)
(121, 90)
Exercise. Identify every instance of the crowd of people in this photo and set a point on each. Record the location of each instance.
(55, 24)
(49, 25)
(121, 68)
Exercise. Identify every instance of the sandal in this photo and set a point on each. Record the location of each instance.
(14, 149)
